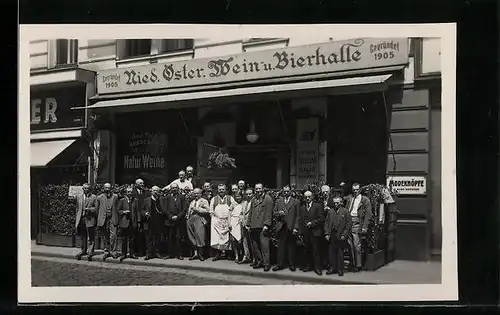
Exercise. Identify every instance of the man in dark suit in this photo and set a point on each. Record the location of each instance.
(127, 223)
(259, 225)
(153, 222)
(107, 221)
(311, 225)
(360, 209)
(139, 193)
(337, 228)
(285, 211)
(86, 206)
(190, 176)
(174, 206)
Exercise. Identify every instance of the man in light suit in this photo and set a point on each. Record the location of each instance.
(107, 221)
(86, 205)
(286, 211)
(360, 209)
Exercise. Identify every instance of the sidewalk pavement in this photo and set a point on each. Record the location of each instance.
(396, 272)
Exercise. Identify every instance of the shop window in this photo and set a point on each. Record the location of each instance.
(172, 45)
(136, 48)
(66, 51)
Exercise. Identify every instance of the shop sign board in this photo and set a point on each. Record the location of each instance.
(142, 154)
(307, 151)
(408, 185)
(50, 108)
(335, 56)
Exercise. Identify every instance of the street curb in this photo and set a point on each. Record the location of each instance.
(250, 272)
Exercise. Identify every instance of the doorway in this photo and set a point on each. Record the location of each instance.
(357, 139)
(257, 166)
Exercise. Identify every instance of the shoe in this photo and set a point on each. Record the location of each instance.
(258, 265)
(106, 256)
(277, 268)
(267, 268)
(194, 257)
(149, 257)
(132, 257)
(318, 272)
(89, 257)
(341, 273)
(357, 269)
(245, 261)
(253, 263)
(180, 258)
(292, 268)
(115, 256)
(201, 258)
(78, 257)
(122, 258)
(216, 257)
(306, 269)
(330, 272)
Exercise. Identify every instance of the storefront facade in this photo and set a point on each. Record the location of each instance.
(58, 150)
(289, 114)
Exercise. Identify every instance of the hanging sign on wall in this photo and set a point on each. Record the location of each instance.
(408, 185)
(307, 151)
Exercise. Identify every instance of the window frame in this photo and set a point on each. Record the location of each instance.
(188, 45)
(71, 52)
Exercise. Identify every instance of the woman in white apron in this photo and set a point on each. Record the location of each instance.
(235, 226)
(220, 207)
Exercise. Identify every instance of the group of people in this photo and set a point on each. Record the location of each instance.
(236, 225)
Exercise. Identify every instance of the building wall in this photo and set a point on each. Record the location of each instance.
(415, 128)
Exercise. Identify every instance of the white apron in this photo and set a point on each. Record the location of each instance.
(219, 228)
(235, 221)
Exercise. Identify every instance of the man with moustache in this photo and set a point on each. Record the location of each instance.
(337, 229)
(86, 205)
(191, 177)
(259, 225)
(311, 226)
(182, 183)
(207, 191)
(286, 211)
(153, 222)
(139, 193)
(107, 221)
(234, 190)
(360, 209)
(174, 207)
(128, 212)
(220, 209)
(242, 186)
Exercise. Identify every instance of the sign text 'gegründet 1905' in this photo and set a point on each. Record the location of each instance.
(312, 59)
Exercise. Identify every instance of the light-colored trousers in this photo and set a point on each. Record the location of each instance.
(108, 233)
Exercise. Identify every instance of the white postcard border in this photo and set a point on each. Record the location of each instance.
(447, 290)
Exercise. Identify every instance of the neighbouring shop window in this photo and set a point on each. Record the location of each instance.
(136, 48)
(171, 45)
(66, 51)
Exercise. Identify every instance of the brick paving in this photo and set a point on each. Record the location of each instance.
(397, 272)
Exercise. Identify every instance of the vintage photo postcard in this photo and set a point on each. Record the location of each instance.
(237, 163)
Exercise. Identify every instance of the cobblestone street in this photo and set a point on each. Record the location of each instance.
(47, 271)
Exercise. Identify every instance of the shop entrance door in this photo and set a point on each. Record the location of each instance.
(256, 166)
